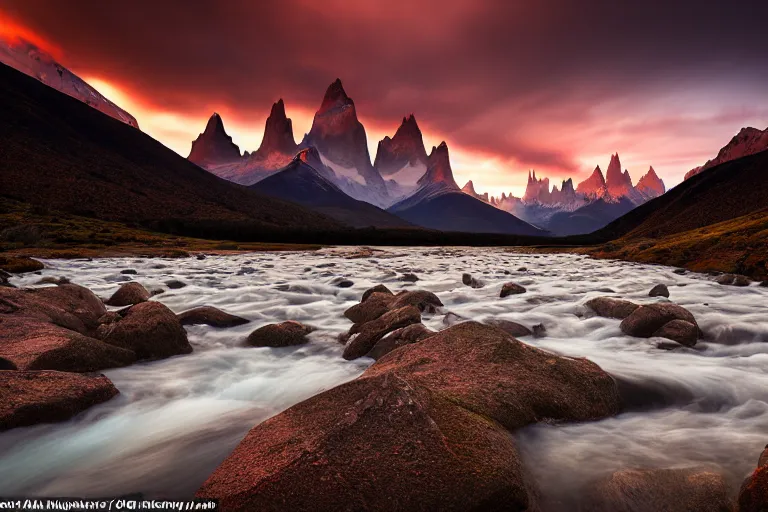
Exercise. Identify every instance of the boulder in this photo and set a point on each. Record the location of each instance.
(514, 329)
(363, 337)
(409, 278)
(129, 272)
(646, 320)
(609, 307)
(427, 427)
(341, 282)
(208, 315)
(681, 331)
(753, 495)
(284, 334)
(427, 302)
(32, 397)
(372, 307)
(660, 290)
(511, 289)
(150, 330)
(20, 264)
(732, 280)
(175, 284)
(680, 271)
(659, 490)
(379, 288)
(53, 329)
(129, 294)
(401, 337)
(468, 280)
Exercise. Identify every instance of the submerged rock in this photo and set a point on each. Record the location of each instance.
(284, 334)
(660, 290)
(409, 278)
(611, 308)
(511, 289)
(175, 284)
(659, 490)
(419, 430)
(732, 280)
(209, 315)
(341, 282)
(32, 397)
(150, 330)
(469, 280)
(128, 295)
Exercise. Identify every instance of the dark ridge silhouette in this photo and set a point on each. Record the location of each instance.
(61, 154)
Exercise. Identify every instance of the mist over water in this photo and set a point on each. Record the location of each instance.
(177, 419)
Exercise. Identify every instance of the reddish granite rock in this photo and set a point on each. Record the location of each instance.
(209, 315)
(660, 490)
(129, 294)
(53, 329)
(284, 334)
(753, 495)
(149, 329)
(401, 337)
(363, 337)
(379, 288)
(685, 333)
(646, 320)
(427, 302)
(370, 309)
(28, 398)
(514, 329)
(511, 289)
(425, 428)
(611, 308)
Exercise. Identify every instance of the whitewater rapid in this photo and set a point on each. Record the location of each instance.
(175, 420)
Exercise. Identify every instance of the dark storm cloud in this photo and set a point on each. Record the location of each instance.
(480, 72)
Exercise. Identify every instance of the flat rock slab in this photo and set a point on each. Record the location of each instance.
(32, 397)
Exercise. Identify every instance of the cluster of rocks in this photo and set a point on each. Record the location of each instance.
(661, 319)
(54, 339)
(384, 321)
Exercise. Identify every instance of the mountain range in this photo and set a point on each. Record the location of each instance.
(403, 174)
(747, 142)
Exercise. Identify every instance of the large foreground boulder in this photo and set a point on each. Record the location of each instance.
(208, 315)
(652, 319)
(285, 334)
(150, 330)
(660, 490)
(28, 398)
(129, 294)
(427, 427)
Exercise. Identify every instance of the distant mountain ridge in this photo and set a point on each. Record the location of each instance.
(33, 61)
(747, 142)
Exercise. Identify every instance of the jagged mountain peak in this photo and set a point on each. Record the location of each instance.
(335, 97)
(278, 133)
(439, 168)
(214, 146)
(469, 188)
(404, 148)
(747, 142)
(650, 185)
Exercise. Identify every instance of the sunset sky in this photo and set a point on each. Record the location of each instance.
(553, 85)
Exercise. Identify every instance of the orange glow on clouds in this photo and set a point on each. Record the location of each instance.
(14, 32)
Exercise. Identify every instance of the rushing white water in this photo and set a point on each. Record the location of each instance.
(176, 419)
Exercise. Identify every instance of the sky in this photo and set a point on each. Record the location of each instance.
(510, 85)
